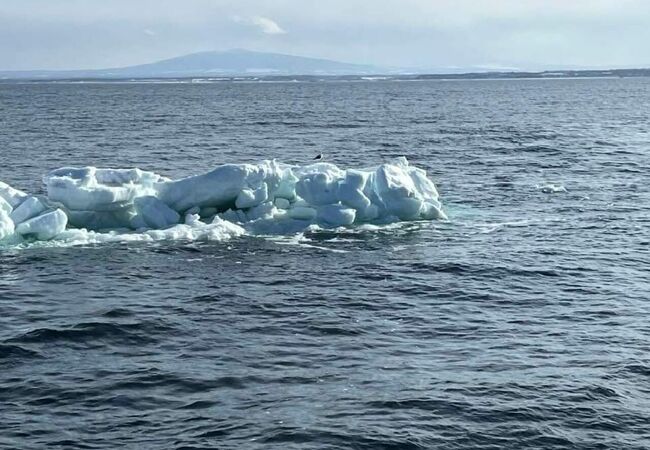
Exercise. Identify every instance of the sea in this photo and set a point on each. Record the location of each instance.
(522, 322)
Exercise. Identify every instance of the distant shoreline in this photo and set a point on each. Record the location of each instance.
(198, 79)
(239, 65)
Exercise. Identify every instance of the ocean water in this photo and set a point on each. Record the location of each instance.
(523, 322)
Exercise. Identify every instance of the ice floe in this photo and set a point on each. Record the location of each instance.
(105, 205)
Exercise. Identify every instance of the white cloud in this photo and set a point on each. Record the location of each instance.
(149, 32)
(267, 25)
(264, 24)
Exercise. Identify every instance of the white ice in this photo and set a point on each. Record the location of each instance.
(7, 226)
(31, 207)
(100, 204)
(10, 195)
(45, 226)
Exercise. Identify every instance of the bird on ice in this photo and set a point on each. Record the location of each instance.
(318, 157)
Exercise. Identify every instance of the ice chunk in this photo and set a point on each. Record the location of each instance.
(318, 188)
(12, 196)
(192, 219)
(282, 203)
(423, 185)
(356, 179)
(398, 192)
(93, 189)
(44, 227)
(287, 187)
(6, 225)
(29, 208)
(369, 214)
(218, 188)
(262, 211)
(350, 190)
(248, 198)
(302, 213)
(233, 215)
(331, 170)
(153, 213)
(103, 220)
(5, 207)
(336, 215)
(432, 210)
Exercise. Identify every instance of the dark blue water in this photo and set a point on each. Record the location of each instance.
(521, 323)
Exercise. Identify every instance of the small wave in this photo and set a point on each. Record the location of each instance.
(596, 393)
(293, 437)
(94, 333)
(12, 351)
(488, 270)
(638, 369)
(118, 313)
(180, 384)
(199, 404)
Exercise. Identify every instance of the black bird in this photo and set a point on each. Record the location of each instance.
(318, 157)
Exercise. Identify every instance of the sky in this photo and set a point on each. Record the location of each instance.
(433, 34)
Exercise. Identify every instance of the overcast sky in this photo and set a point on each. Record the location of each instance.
(523, 34)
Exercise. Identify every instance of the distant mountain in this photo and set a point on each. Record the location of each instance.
(210, 64)
(234, 65)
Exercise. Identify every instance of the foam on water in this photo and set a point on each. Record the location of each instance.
(551, 188)
(90, 205)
